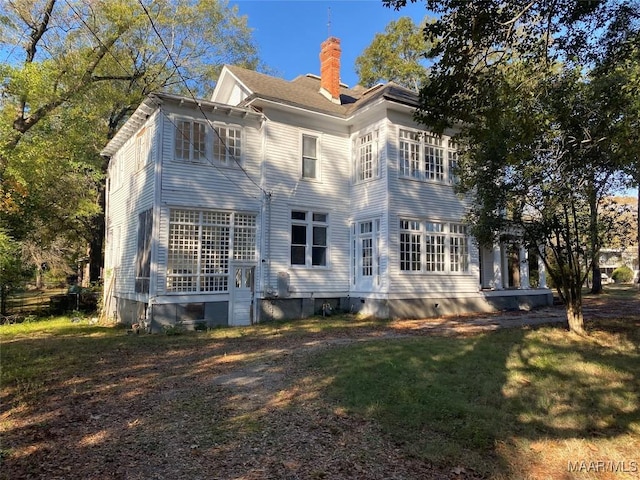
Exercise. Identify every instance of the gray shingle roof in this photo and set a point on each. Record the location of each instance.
(304, 92)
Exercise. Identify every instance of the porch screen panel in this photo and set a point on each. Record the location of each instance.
(184, 246)
(244, 237)
(214, 265)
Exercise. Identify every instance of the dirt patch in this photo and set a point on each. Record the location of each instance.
(244, 408)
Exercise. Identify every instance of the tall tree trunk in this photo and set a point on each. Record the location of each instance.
(596, 285)
(638, 224)
(575, 319)
(3, 299)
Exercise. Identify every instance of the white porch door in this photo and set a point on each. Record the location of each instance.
(366, 255)
(242, 294)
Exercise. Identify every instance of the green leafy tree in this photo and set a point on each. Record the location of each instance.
(519, 81)
(75, 70)
(11, 271)
(621, 69)
(397, 55)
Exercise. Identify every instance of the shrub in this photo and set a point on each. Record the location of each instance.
(622, 274)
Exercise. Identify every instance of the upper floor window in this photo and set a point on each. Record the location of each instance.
(309, 238)
(410, 154)
(422, 156)
(142, 148)
(195, 141)
(309, 156)
(190, 141)
(452, 152)
(433, 158)
(227, 143)
(367, 157)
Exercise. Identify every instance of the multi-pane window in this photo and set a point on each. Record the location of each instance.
(427, 246)
(410, 243)
(422, 156)
(309, 238)
(366, 250)
(452, 157)
(198, 142)
(409, 154)
(244, 237)
(309, 156)
(201, 244)
(433, 158)
(142, 148)
(227, 144)
(367, 163)
(434, 247)
(190, 142)
(143, 253)
(458, 248)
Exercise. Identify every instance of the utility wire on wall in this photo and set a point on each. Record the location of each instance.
(184, 81)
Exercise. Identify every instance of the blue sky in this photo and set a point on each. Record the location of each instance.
(289, 32)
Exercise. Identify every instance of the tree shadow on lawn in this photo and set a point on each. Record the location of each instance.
(123, 406)
(518, 403)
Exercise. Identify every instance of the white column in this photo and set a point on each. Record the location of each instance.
(542, 274)
(523, 257)
(504, 256)
(497, 267)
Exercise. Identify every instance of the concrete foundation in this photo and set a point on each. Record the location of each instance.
(213, 314)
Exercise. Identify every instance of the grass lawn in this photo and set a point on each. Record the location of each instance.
(311, 399)
(518, 403)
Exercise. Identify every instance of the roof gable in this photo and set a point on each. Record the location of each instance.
(304, 92)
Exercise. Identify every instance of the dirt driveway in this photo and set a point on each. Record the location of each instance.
(237, 408)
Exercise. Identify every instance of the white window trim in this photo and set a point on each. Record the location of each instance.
(375, 157)
(210, 137)
(309, 224)
(447, 234)
(231, 253)
(142, 146)
(230, 160)
(192, 121)
(318, 137)
(447, 147)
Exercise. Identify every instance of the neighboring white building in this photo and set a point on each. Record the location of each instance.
(276, 198)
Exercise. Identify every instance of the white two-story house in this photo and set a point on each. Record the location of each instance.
(274, 199)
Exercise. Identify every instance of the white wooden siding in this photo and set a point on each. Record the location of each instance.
(330, 194)
(133, 194)
(421, 200)
(370, 199)
(206, 185)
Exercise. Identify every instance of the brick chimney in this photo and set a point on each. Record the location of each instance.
(330, 69)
